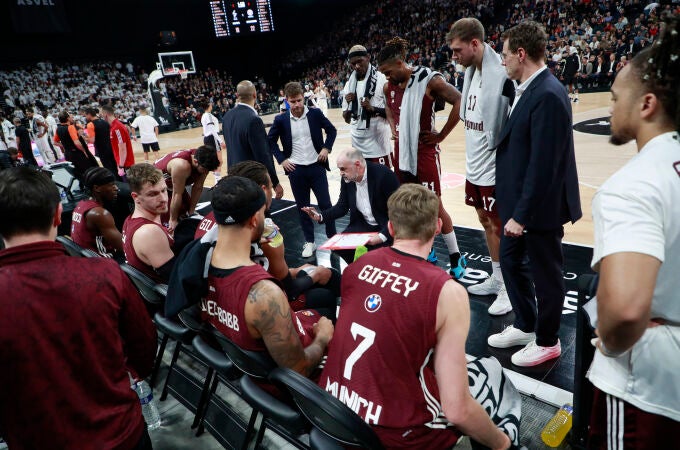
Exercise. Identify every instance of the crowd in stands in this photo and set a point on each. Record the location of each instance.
(603, 34)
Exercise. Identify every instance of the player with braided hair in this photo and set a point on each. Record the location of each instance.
(637, 252)
(411, 94)
(92, 225)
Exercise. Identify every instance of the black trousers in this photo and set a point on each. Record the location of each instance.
(532, 270)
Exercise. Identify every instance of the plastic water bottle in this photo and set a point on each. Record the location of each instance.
(149, 408)
(557, 428)
(272, 233)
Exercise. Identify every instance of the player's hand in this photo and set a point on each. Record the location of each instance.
(374, 240)
(223, 146)
(323, 156)
(507, 443)
(312, 213)
(366, 104)
(350, 97)
(323, 330)
(172, 224)
(430, 137)
(347, 115)
(278, 191)
(513, 229)
(288, 166)
(395, 135)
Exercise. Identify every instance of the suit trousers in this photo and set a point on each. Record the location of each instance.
(535, 284)
(303, 180)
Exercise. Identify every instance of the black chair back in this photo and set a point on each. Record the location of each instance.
(583, 393)
(152, 292)
(71, 247)
(255, 364)
(326, 412)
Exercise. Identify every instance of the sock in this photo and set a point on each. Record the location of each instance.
(454, 259)
(451, 242)
(496, 270)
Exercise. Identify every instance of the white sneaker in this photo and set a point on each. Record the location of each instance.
(308, 249)
(502, 303)
(533, 355)
(490, 286)
(510, 337)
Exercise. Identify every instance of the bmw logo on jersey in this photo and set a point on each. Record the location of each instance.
(373, 303)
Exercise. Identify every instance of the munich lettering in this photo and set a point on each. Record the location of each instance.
(365, 409)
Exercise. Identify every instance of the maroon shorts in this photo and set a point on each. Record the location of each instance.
(615, 424)
(429, 170)
(382, 160)
(481, 197)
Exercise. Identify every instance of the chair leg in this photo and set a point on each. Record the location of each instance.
(205, 397)
(260, 432)
(159, 359)
(250, 430)
(175, 355)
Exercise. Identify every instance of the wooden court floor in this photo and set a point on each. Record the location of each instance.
(596, 161)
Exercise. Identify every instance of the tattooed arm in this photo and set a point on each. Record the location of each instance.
(268, 316)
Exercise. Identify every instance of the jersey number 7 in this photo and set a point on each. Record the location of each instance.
(369, 338)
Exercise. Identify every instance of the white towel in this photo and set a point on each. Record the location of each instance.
(409, 118)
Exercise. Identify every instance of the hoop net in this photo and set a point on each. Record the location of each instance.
(183, 74)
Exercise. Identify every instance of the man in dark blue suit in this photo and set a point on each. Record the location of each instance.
(304, 157)
(364, 191)
(537, 193)
(245, 136)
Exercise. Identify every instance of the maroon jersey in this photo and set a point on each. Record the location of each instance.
(162, 165)
(84, 237)
(206, 224)
(381, 358)
(428, 171)
(224, 307)
(130, 226)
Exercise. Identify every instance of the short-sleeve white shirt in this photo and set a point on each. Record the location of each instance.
(638, 210)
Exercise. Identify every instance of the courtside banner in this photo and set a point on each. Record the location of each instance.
(39, 16)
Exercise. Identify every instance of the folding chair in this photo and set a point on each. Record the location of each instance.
(283, 419)
(72, 248)
(326, 413)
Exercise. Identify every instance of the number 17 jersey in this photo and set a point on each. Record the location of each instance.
(381, 358)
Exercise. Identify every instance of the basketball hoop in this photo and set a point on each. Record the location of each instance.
(183, 74)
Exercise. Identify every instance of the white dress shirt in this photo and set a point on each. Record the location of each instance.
(524, 86)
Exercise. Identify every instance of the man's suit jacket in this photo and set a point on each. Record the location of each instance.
(281, 130)
(382, 182)
(536, 180)
(246, 139)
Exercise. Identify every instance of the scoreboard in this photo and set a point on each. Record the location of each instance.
(236, 17)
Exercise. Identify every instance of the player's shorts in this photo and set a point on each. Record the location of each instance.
(152, 146)
(382, 160)
(481, 197)
(428, 172)
(210, 140)
(615, 423)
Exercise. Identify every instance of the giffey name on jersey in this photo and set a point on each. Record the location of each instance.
(397, 283)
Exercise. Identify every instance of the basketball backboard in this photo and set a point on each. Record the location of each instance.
(174, 62)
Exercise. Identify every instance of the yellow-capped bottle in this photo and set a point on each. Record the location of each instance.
(272, 233)
(557, 428)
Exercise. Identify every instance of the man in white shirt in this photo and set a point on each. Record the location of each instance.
(637, 253)
(363, 108)
(364, 191)
(304, 157)
(148, 132)
(483, 110)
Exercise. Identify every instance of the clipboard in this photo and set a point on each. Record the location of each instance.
(346, 241)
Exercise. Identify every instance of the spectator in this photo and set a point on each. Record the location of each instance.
(99, 316)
